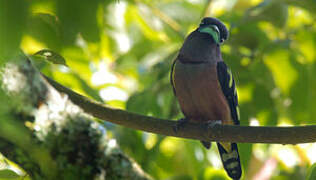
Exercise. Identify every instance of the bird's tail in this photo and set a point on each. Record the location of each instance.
(230, 158)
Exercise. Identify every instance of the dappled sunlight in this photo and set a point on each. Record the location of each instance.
(169, 146)
(121, 37)
(198, 154)
(263, 117)
(31, 45)
(245, 93)
(111, 93)
(213, 158)
(124, 42)
(283, 71)
(309, 151)
(306, 44)
(271, 31)
(150, 140)
(245, 61)
(286, 154)
(218, 174)
(260, 151)
(219, 7)
(120, 53)
(298, 17)
(103, 75)
(284, 122)
(254, 122)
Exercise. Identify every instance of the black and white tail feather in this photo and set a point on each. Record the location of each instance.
(230, 160)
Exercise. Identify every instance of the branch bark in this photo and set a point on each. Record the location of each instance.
(54, 143)
(205, 132)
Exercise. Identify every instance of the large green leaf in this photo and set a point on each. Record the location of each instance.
(13, 16)
(8, 174)
(311, 174)
(46, 29)
(78, 17)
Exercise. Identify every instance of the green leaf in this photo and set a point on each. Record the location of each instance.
(13, 15)
(51, 56)
(8, 174)
(45, 28)
(144, 103)
(311, 174)
(284, 73)
(268, 10)
(78, 17)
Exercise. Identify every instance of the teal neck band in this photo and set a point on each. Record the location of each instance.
(211, 32)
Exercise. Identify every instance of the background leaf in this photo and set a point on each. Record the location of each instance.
(13, 16)
(51, 56)
(8, 174)
(311, 174)
(120, 53)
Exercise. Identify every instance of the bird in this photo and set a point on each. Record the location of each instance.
(205, 88)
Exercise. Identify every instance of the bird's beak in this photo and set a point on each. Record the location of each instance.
(211, 31)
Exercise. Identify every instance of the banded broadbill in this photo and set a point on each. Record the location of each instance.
(205, 87)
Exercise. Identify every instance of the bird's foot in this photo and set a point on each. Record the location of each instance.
(212, 123)
(180, 123)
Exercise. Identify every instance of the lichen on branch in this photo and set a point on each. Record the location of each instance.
(50, 137)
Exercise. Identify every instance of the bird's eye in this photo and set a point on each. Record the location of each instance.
(214, 27)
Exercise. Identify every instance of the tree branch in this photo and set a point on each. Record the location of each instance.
(50, 143)
(206, 132)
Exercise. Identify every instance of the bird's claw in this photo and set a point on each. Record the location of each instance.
(180, 123)
(213, 123)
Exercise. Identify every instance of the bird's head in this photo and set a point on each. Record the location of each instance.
(214, 28)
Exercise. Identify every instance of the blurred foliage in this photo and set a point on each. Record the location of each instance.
(120, 52)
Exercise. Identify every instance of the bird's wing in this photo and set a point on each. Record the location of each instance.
(172, 75)
(228, 86)
(229, 151)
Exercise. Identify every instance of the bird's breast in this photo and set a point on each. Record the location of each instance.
(199, 92)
